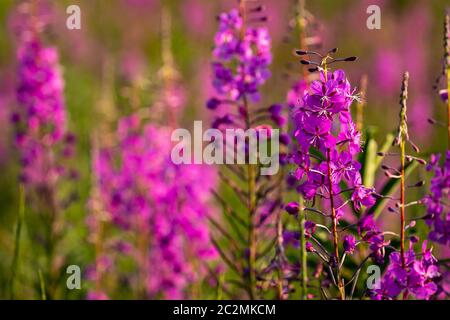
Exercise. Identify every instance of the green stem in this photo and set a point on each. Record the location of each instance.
(403, 134)
(304, 263)
(42, 285)
(252, 231)
(280, 249)
(20, 220)
(448, 103)
(447, 70)
(301, 25)
(220, 283)
(360, 105)
(251, 182)
(402, 201)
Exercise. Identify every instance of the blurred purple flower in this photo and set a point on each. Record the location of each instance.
(438, 217)
(40, 119)
(145, 192)
(417, 276)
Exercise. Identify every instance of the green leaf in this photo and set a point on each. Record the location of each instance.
(384, 148)
(217, 226)
(370, 168)
(225, 258)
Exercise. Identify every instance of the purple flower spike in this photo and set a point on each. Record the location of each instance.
(418, 277)
(438, 213)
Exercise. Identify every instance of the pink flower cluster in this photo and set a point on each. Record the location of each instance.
(416, 277)
(146, 193)
(438, 217)
(325, 107)
(40, 120)
(243, 57)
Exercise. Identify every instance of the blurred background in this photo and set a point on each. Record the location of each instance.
(114, 63)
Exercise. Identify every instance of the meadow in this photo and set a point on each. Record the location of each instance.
(117, 173)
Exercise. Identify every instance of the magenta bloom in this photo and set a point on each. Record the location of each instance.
(242, 59)
(363, 196)
(40, 120)
(344, 167)
(349, 244)
(350, 135)
(315, 132)
(324, 108)
(438, 211)
(146, 193)
(417, 277)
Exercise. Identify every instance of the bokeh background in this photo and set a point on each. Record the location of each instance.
(119, 49)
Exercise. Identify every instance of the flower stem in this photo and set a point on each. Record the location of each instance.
(143, 247)
(280, 244)
(402, 136)
(301, 25)
(252, 231)
(447, 69)
(402, 200)
(448, 104)
(251, 184)
(42, 285)
(20, 219)
(334, 229)
(304, 262)
(360, 105)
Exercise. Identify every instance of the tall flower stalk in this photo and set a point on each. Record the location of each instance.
(161, 208)
(407, 272)
(324, 106)
(304, 25)
(41, 137)
(437, 201)
(447, 67)
(401, 141)
(17, 236)
(242, 57)
(361, 104)
(301, 26)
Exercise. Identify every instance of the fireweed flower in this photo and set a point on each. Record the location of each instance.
(41, 120)
(160, 210)
(349, 243)
(438, 208)
(294, 101)
(416, 277)
(41, 138)
(323, 122)
(436, 202)
(371, 234)
(407, 272)
(324, 107)
(166, 204)
(240, 67)
(242, 58)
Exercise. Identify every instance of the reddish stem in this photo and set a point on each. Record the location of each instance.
(334, 229)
